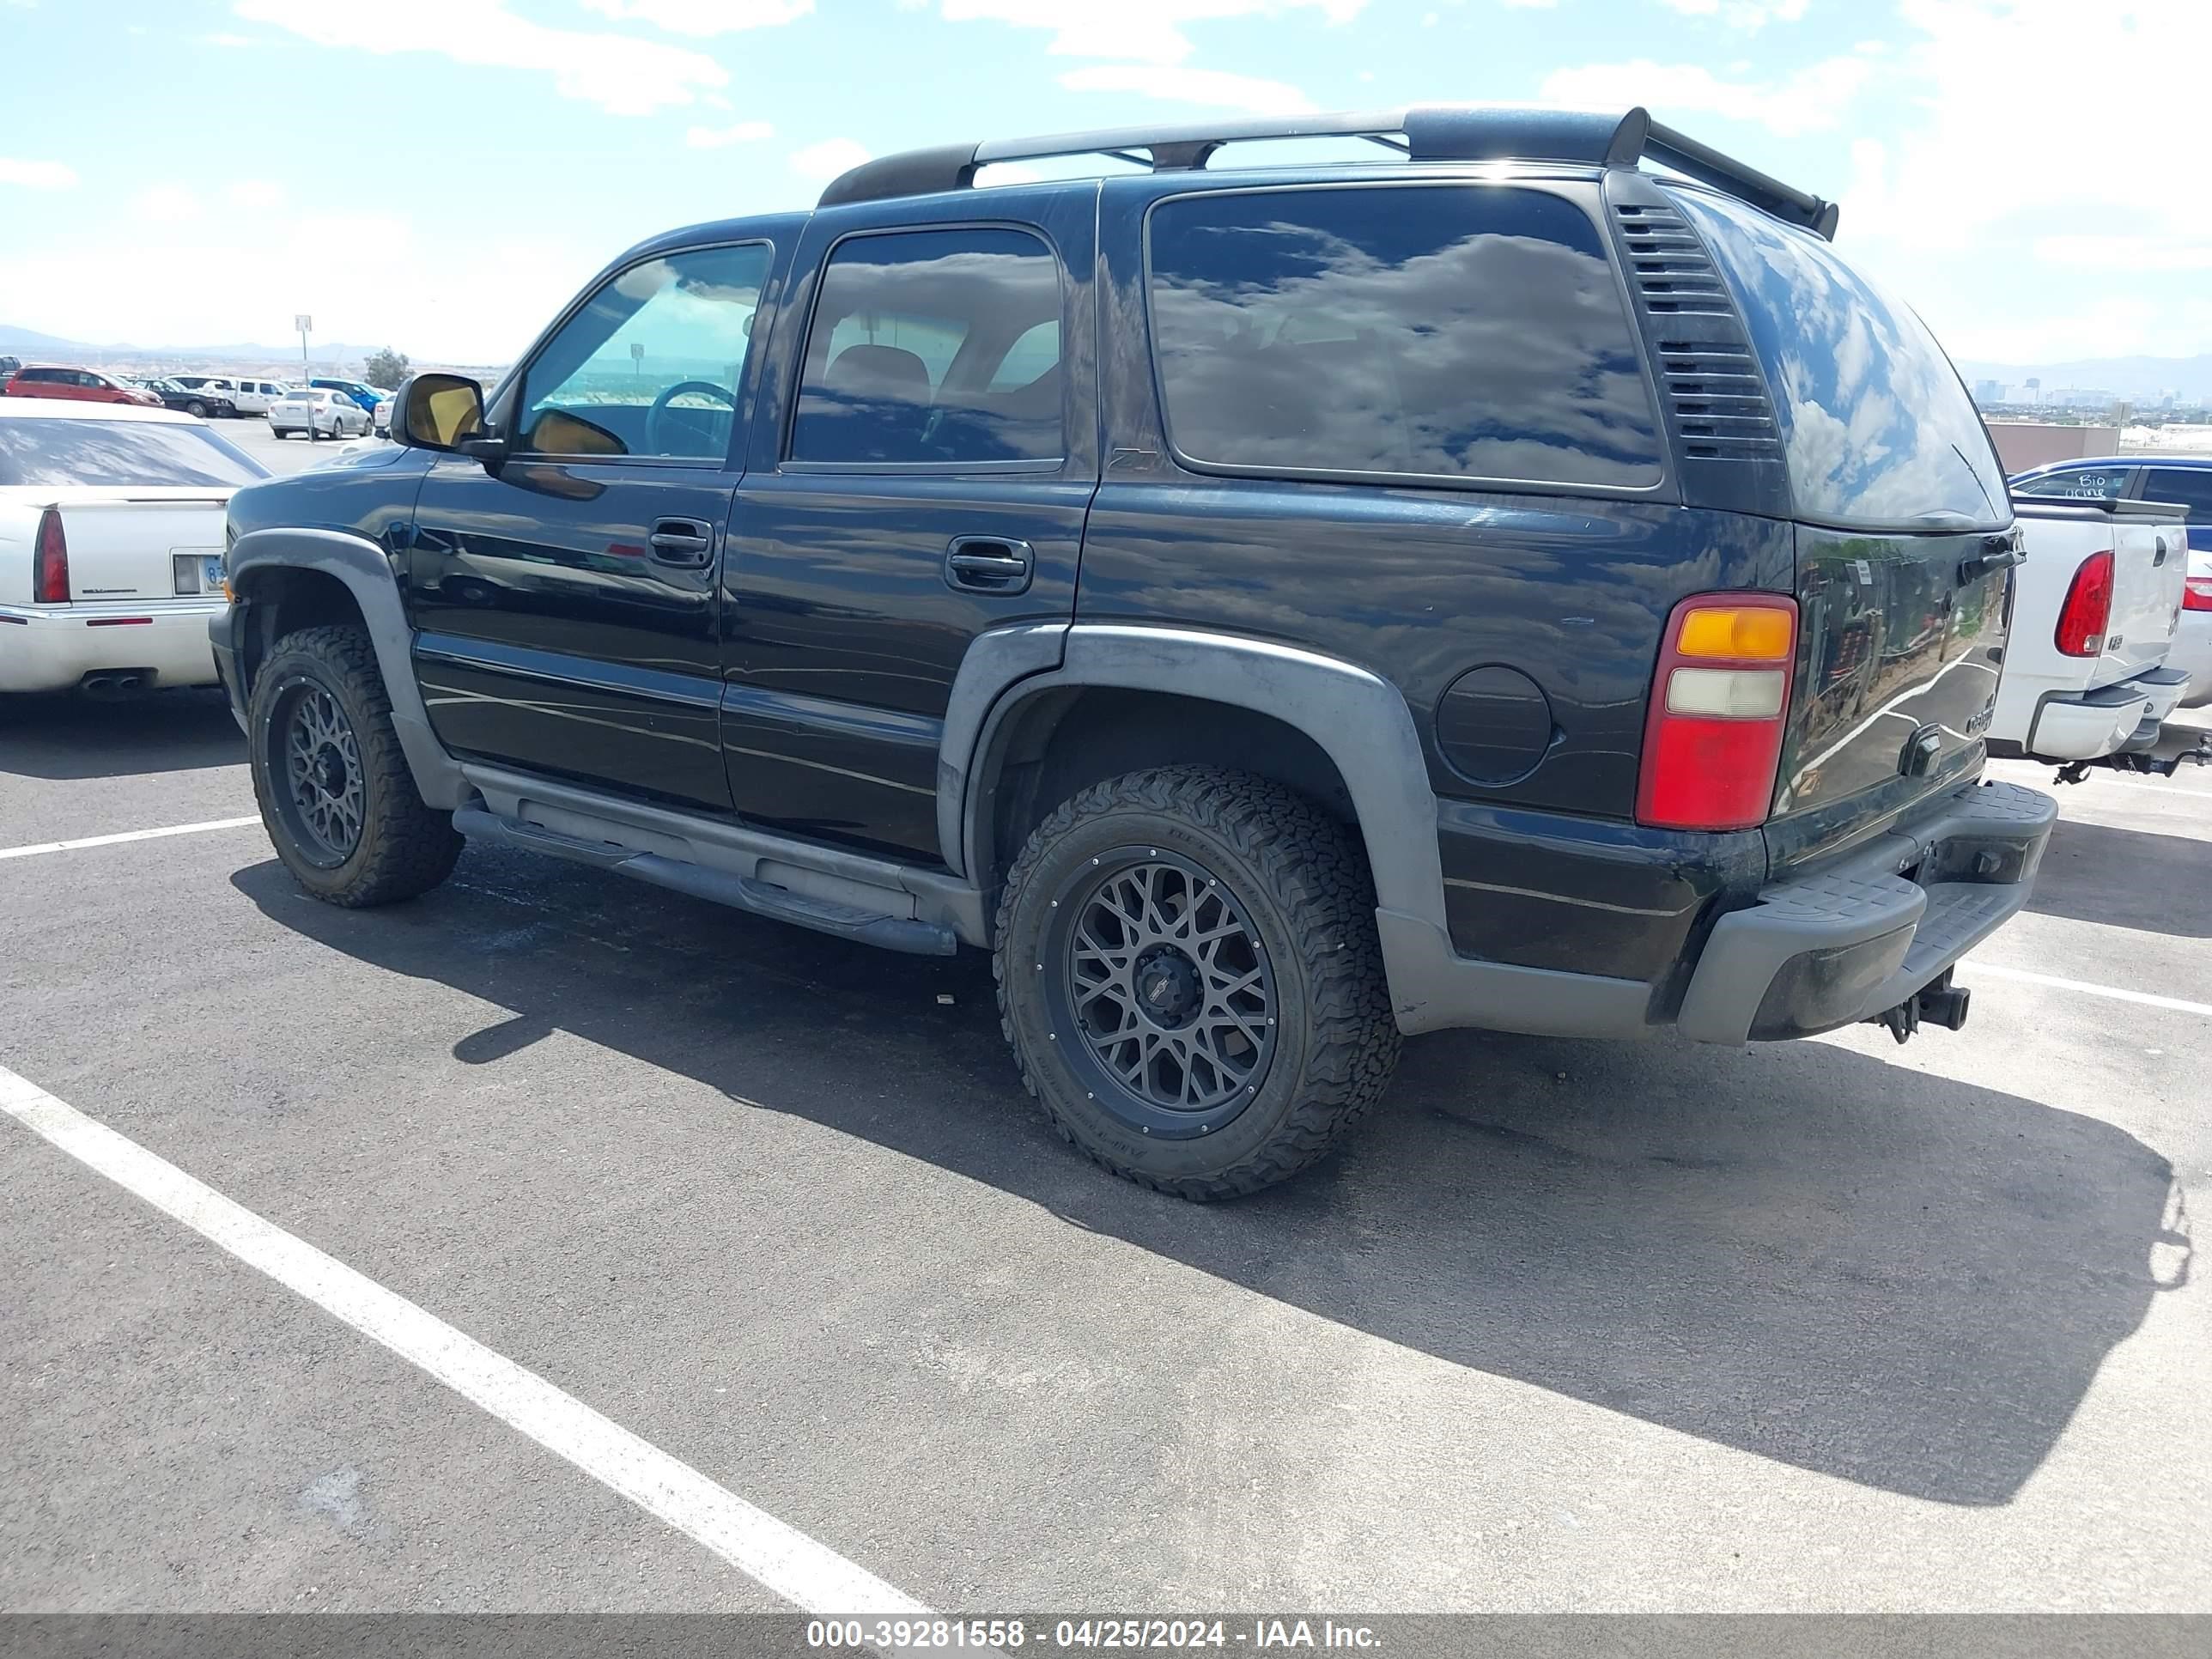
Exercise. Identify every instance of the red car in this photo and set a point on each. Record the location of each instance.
(82, 385)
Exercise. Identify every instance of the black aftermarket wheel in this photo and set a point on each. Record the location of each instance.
(1190, 980)
(339, 804)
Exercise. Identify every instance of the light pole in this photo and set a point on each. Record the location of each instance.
(303, 322)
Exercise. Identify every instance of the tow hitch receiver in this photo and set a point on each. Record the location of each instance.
(1938, 1003)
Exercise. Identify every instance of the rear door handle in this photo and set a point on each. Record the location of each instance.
(989, 564)
(684, 542)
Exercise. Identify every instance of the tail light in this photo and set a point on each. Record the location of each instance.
(2196, 593)
(50, 583)
(1713, 737)
(2087, 611)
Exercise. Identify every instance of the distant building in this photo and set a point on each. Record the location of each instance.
(1989, 392)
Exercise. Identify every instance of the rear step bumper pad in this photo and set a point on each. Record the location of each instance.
(1829, 950)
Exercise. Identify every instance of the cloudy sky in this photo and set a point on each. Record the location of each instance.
(440, 174)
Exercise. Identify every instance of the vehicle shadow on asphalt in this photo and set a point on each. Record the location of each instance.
(2126, 879)
(1796, 1250)
(67, 737)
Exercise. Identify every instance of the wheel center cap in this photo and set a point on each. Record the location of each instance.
(1167, 985)
(330, 770)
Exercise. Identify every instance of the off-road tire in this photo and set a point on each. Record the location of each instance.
(404, 848)
(1302, 881)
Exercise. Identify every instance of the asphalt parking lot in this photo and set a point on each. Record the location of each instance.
(1833, 1325)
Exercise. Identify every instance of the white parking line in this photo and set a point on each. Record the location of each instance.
(128, 835)
(2158, 788)
(2178, 1003)
(777, 1556)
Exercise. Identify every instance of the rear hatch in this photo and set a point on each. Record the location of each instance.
(148, 545)
(1905, 535)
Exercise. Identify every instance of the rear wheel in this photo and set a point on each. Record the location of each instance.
(1189, 977)
(335, 795)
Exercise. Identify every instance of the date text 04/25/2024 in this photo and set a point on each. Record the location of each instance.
(896, 1635)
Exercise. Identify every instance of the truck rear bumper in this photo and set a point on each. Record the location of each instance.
(1833, 949)
(2088, 724)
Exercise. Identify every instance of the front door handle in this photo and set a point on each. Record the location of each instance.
(989, 564)
(684, 542)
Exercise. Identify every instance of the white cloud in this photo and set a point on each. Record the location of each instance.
(1741, 14)
(1215, 88)
(489, 298)
(166, 205)
(254, 194)
(1812, 99)
(704, 17)
(621, 75)
(825, 161)
(745, 132)
(36, 175)
(1149, 30)
(2122, 254)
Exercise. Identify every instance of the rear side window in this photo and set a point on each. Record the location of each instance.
(2185, 484)
(2087, 484)
(119, 453)
(1879, 430)
(937, 347)
(1456, 331)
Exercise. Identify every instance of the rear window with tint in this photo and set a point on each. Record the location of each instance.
(1879, 430)
(119, 453)
(1451, 331)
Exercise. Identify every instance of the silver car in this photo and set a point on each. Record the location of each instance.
(319, 413)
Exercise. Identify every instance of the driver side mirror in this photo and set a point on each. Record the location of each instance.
(445, 412)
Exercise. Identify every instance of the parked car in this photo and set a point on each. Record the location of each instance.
(360, 393)
(1428, 606)
(318, 413)
(380, 417)
(217, 395)
(111, 545)
(8, 365)
(2186, 479)
(81, 385)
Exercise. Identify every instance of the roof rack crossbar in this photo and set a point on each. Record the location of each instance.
(1422, 132)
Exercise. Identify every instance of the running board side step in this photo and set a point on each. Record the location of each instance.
(889, 933)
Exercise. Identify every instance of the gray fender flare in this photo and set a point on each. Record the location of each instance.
(1361, 722)
(366, 570)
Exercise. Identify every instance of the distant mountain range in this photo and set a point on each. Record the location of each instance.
(2139, 379)
(28, 342)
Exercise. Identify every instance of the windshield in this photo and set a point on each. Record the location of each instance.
(1879, 429)
(119, 453)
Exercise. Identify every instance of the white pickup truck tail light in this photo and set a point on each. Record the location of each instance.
(2087, 611)
(50, 571)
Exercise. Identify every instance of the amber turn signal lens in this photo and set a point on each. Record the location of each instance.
(1737, 632)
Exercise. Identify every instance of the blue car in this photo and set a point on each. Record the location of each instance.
(2184, 479)
(360, 392)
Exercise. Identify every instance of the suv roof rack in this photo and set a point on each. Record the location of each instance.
(1431, 132)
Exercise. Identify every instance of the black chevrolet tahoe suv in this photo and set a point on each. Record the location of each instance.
(1271, 608)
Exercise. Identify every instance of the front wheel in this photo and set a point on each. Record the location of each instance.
(1190, 979)
(197, 409)
(335, 795)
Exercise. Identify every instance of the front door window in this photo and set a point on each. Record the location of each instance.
(654, 363)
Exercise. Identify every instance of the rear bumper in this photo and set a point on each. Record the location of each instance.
(1827, 951)
(2084, 724)
(52, 647)
(2087, 724)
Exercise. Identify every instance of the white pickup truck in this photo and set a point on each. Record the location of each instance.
(2094, 608)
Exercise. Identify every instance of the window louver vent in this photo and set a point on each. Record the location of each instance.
(1716, 396)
